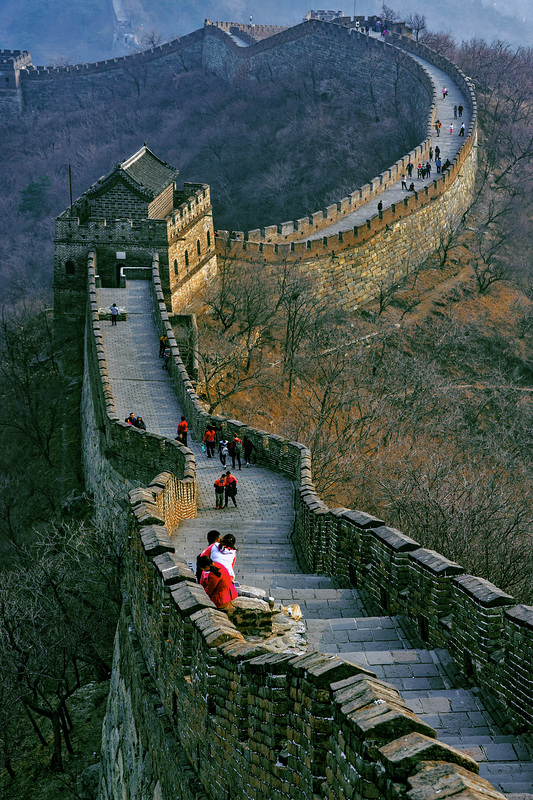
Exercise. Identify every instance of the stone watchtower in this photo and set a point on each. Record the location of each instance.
(126, 217)
(11, 62)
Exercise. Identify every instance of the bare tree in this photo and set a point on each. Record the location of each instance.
(418, 24)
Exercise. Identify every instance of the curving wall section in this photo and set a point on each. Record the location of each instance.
(196, 711)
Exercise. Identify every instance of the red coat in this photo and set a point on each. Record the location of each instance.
(220, 589)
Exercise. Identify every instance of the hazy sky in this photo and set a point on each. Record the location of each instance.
(58, 31)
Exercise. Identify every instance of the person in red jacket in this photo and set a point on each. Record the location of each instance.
(230, 489)
(182, 431)
(217, 582)
(213, 537)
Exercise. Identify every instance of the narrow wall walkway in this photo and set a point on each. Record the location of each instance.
(449, 145)
(336, 619)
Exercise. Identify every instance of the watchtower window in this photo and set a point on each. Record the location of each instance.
(186, 258)
(198, 248)
(208, 239)
(70, 268)
(175, 267)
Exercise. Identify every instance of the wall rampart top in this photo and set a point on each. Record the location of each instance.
(389, 565)
(235, 242)
(120, 62)
(291, 230)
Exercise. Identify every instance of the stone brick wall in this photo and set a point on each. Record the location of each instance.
(197, 711)
(489, 636)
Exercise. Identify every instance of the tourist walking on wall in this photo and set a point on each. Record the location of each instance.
(410, 169)
(460, 110)
(183, 428)
(210, 439)
(235, 450)
(404, 182)
(223, 450)
(455, 112)
(114, 314)
(438, 126)
(217, 582)
(249, 446)
(428, 169)
(220, 485)
(462, 129)
(437, 152)
(230, 489)
(438, 164)
(163, 342)
(451, 127)
(166, 357)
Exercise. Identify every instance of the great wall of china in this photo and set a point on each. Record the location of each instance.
(197, 708)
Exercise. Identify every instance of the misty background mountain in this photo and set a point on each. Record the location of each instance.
(72, 31)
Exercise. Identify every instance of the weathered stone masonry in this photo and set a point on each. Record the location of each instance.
(196, 711)
(189, 690)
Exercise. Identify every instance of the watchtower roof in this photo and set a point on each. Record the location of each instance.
(149, 171)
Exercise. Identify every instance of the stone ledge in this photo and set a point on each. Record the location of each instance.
(483, 592)
(402, 756)
(395, 539)
(437, 780)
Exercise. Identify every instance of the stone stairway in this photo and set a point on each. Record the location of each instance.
(336, 619)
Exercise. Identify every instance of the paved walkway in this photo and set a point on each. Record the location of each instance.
(449, 146)
(336, 619)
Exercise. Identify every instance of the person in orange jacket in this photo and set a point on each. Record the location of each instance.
(210, 440)
(217, 582)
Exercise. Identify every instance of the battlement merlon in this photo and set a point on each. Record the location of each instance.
(71, 229)
(15, 59)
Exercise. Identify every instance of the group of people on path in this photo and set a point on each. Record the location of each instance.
(225, 489)
(135, 422)
(215, 569)
(234, 448)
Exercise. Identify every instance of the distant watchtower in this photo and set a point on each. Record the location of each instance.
(126, 217)
(11, 62)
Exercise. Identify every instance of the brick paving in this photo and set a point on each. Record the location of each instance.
(336, 619)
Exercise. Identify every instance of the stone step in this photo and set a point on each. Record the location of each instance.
(318, 604)
(277, 581)
(351, 636)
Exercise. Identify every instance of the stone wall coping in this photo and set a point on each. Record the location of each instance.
(521, 614)
(483, 592)
(190, 598)
(394, 539)
(436, 563)
(361, 519)
(401, 756)
(436, 779)
(173, 570)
